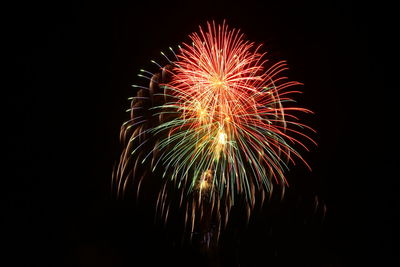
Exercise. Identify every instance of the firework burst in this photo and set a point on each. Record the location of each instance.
(217, 124)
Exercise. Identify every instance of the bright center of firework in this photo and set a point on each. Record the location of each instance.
(217, 83)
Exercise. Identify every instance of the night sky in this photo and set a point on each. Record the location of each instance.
(72, 67)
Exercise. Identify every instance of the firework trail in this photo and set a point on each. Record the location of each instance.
(217, 123)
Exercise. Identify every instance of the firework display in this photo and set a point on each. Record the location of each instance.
(217, 124)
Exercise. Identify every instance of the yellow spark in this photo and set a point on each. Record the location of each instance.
(203, 184)
(205, 180)
(222, 138)
(217, 83)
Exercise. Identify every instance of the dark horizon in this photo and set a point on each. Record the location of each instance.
(72, 70)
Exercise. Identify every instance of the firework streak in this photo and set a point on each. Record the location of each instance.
(216, 123)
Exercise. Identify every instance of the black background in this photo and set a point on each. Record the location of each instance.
(72, 65)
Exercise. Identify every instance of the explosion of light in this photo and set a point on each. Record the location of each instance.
(231, 125)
